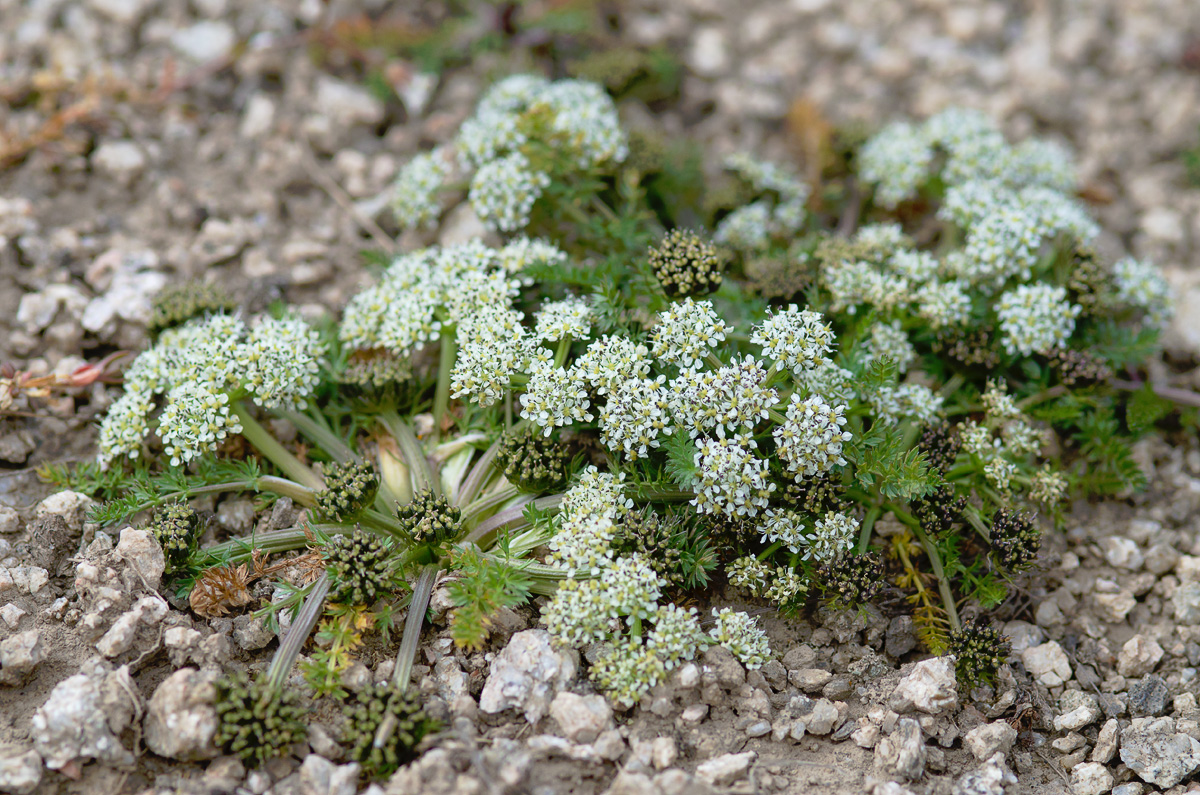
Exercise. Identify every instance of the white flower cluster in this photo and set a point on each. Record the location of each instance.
(741, 634)
(811, 438)
(415, 192)
(778, 584)
(1035, 318)
(914, 401)
(898, 161)
(750, 228)
(554, 397)
(574, 118)
(492, 346)
(943, 304)
(795, 339)
(834, 533)
(686, 333)
(1141, 285)
(634, 417)
(1047, 486)
(199, 370)
(504, 191)
(731, 398)
(731, 480)
(888, 339)
(568, 318)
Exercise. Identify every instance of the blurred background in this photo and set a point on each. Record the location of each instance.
(146, 141)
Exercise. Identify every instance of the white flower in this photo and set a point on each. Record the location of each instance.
(810, 440)
(125, 426)
(943, 304)
(888, 339)
(1042, 163)
(414, 193)
(783, 526)
(1141, 285)
(730, 480)
(554, 397)
(729, 398)
(747, 228)
(914, 401)
(512, 94)
(686, 333)
(596, 492)
(676, 635)
(795, 339)
(503, 192)
(831, 535)
(1048, 487)
(636, 414)
(194, 420)
(999, 472)
(766, 176)
(1035, 318)
(998, 403)
(279, 363)
(486, 136)
(492, 346)
(627, 670)
(571, 317)
(785, 586)
(575, 614)
(523, 252)
(749, 573)
(741, 634)
(898, 161)
(917, 267)
(610, 361)
(587, 118)
(631, 587)
(583, 543)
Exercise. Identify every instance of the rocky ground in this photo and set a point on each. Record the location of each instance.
(147, 141)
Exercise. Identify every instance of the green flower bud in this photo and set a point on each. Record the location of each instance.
(179, 303)
(255, 721)
(1015, 539)
(852, 579)
(429, 519)
(364, 713)
(531, 461)
(349, 490)
(176, 527)
(686, 265)
(359, 568)
(979, 650)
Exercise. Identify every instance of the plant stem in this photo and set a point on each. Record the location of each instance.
(411, 451)
(471, 513)
(287, 488)
(766, 553)
(322, 434)
(297, 634)
(479, 474)
(508, 519)
(1041, 397)
(935, 561)
(441, 396)
(560, 353)
(402, 674)
(643, 494)
(266, 444)
(1184, 397)
(864, 532)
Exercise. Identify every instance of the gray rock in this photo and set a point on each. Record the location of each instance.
(20, 655)
(1106, 742)
(1186, 601)
(628, 782)
(204, 41)
(1122, 553)
(451, 680)
(526, 675)
(71, 506)
(1150, 697)
(810, 680)
(181, 717)
(818, 717)
(84, 716)
(901, 636)
(1090, 778)
(1159, 755)
(148, 612)
(1138, 656)
(582, 718)
(726, 769)
(931, 687)
(141, 551)
(1047, 663)
(319, 776)
(346, 103)
(902, 753)
(985, 740)
(1076, 710)
(10, 520)
(11, 615)
(123, 161)
(1113, 607)
(20, 769)
(990, 779)
(1161, 558)
(720, 661)
(251, 632)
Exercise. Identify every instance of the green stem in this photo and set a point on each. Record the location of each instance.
(409, 641)
(472, 513)
(864, 532)
(266, 444)
(287, 488)
(411, 451)
(1041, 397)
(509, 519)
(643, 494)
(297, 634)
(935, 561)
(766, 553)
(951, 386)
(441, 396)
(560, 353)
(322, 434)
(1184, 397)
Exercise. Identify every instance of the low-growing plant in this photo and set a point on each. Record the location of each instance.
(614, 412)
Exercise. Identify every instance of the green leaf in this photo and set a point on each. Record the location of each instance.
(681, 459)
(486, 586)
(881, 371)
(1144, 409)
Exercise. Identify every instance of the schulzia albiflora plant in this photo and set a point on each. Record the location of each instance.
(616, 413)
